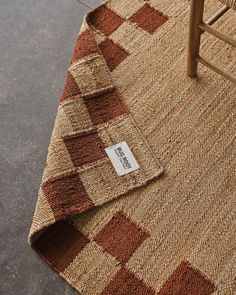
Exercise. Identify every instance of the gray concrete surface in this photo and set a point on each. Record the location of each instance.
(36, 41)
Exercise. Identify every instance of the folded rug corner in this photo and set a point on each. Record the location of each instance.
(138, 191)
(79, 175)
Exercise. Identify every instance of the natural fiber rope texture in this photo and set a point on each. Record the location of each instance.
(168, 228)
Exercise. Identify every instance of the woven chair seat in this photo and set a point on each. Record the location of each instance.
(230, 3)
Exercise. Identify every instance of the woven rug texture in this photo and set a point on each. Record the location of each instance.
(169, 227)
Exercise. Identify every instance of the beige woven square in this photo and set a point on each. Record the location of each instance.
(92, 262)
(130, 36)
(125, 8)
(77, 115)
(58, 159)
(91, 75)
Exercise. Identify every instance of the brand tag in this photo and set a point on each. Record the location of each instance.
(122, 158)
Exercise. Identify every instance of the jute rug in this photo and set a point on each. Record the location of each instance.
(138, 194)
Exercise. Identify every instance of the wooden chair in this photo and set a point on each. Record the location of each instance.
(197, 27)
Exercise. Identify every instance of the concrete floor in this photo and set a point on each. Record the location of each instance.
(36, 42)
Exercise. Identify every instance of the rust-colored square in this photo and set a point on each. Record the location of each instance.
(148, 18)
(105, 20)
(71, 89)
(113, 53)
(85, 45)
(125, 283)
(105, 107)
(66, 194)
(187, 280)
(60, 244)
(85, 148)
(121, 237)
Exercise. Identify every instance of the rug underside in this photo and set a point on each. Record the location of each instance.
(169, 226)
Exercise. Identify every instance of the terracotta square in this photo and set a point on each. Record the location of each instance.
(187, 280)
(148, 18)
(66, 194)
(60, 244)
(71, 88)
(121, 237)
(113, 53)
(105, 107)
(125, 283)
(85, 148)
(85, 45)
(105, 20)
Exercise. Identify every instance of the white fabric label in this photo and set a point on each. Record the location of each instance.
(122, 158)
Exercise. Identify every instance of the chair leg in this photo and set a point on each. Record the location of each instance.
(196, 17)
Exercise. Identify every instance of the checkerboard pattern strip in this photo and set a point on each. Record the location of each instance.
(90, 93)
(78, 175)
(106, 22)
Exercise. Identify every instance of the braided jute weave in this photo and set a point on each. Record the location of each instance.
(168, 228)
